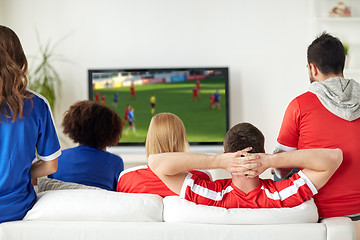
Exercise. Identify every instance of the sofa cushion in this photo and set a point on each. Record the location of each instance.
(46, 184)
(96, 205)
(180, 210)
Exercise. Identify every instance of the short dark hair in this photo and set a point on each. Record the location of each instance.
(327, 53)
(244, 135)
(92, 124)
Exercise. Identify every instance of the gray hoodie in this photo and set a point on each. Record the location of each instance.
(340, 96)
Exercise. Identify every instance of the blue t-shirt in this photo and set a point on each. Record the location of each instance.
(131, 116)
(19, 142)
(89, 166)
(116, 96)
(217, 96)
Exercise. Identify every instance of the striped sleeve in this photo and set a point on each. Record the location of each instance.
(203, 174)
(204, 192)
(128, 178)
(47, 146)
(293, 191)
(308, 182)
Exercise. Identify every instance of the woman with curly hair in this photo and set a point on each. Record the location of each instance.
(94, 127)
(26, 128)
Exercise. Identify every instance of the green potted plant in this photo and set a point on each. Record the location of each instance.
(43, 77)
(346, 50)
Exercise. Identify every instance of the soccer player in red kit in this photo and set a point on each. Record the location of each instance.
(195, 94)
(103, 100)
(198, 84)
(126, 117)
(132, 91)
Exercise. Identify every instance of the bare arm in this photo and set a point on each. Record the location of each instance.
(281, 172)
(42, 168)
(171, 167)
(319, 164)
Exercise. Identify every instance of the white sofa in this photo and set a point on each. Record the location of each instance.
(98, 214)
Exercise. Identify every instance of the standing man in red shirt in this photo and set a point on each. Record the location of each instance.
(327, 116)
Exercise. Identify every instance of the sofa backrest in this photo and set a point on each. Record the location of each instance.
(180, 210)
(96, 205)
(102, 205)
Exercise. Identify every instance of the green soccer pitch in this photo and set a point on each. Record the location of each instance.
(201, 124)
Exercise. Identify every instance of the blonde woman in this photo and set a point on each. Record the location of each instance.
(166, 133)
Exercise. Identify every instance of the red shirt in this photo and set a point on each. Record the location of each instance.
(308, 124)
(269, 194)
(212, 98)
(126, 117)
(142, 180)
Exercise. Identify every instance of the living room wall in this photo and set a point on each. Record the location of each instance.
(262, 42)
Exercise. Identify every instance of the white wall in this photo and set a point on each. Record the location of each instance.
(2, 11)
(263, 42)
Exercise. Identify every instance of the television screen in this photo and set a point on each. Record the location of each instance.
(199, 96)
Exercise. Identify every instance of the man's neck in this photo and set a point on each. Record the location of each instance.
(245, 184)
(325, 77)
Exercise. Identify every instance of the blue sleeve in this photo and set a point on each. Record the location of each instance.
(119, 169)
(47, 146)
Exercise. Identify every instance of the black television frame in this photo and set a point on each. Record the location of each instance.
(116, 70)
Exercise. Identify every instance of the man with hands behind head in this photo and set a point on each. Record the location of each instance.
(246, 189)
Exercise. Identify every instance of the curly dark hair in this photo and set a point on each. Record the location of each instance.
(92, 124)
(244, 135)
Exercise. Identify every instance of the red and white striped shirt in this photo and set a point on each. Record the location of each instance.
(269, 194)
(142, 180)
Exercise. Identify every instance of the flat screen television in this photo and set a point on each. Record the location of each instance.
(199, 96)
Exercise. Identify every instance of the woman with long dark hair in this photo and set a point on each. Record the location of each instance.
(26, 131)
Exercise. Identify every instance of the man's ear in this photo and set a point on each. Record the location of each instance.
(314, 70)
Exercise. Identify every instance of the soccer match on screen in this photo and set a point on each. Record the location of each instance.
(197, 96)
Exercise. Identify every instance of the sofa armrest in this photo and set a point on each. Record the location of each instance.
(339, 228)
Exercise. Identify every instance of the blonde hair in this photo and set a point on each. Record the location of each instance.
(166, 133)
